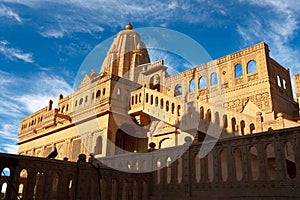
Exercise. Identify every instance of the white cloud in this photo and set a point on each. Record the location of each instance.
(52, 33)
(11, 148)
(6, 131)
(38, 97)
(14, 54)
(9, 13)
(85, 16)
(23, 96)
(277, 28)
(9, 136)
(173, 5)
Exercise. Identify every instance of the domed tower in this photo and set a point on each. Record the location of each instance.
(126, 52)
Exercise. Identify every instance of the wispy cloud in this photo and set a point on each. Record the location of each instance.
(51, 33)
(9, 13)
(21, 97)
(86, 16)
(14, 54)
(277, 30)
(10, 148)
(6, 131)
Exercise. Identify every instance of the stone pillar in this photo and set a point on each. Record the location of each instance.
(258, 125)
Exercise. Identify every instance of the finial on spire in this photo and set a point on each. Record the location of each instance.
(129, 26)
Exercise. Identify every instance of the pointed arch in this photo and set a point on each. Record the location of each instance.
(202, 82)
(213, 79)
(251, 66)
(238, 71)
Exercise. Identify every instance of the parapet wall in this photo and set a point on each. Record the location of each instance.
(263, 165)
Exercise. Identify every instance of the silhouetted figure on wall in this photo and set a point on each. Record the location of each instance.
(53, 154)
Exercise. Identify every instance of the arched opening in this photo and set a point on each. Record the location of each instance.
(271, 167)
(3, 190)
(136, 165)
(252, 128)
(98, 145)
(155, 82)
(118, 91)
(145, 194)
(114, 189)
(251, 67)
(202, 83)
(224, 165)
(179, 170)
(54, 186)
(225, 121)
(98, 93)
(279, 81)
(173, 108)
(22, 182)
(213, 79)
(254, 163)
(136, 99)
(242, 125)
(217, 118)
(290, 162)
(156, 101)
(80, 101)
(161, 103)
(192, 85)
(233, 125)
(197, 168)
(5, 172)
(238, 164)
(39, 185)
(178, 110)
(284, 84)
(169, 171)
(125, 189)
(167, 106)
(208, 116)
(178, 90)
(20, 190)
(238, 71)
(135, 192)
(210, 167)
(151, 99)
(158, 171)
(201, 113)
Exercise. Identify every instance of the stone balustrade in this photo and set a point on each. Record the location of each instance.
(35, 178)
(263, 165)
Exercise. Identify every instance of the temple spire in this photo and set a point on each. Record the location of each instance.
(129, 26)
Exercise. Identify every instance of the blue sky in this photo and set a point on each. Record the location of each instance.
(44, 42)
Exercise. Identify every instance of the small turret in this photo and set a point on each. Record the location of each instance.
(50, 105)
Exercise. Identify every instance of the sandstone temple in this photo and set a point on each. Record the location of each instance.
(242, 102)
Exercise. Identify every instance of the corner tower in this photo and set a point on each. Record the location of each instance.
(126, 52)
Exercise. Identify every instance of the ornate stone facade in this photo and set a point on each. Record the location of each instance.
(133, 102)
